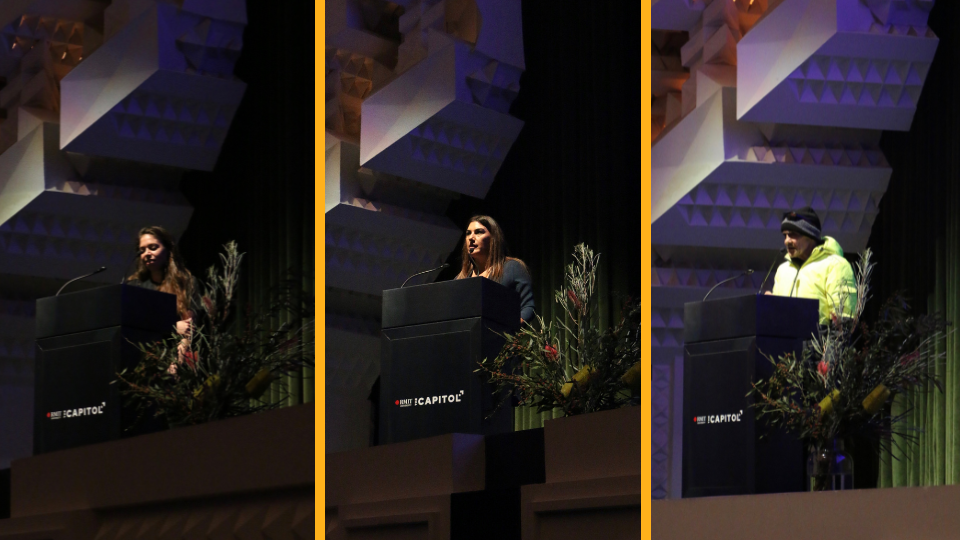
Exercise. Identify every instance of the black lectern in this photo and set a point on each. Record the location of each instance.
(83, 340)
(433, 337)
(724, 346)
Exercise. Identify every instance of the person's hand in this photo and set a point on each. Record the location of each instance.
(172, 369)
(768, 293)
(522, 321)
(183, 327)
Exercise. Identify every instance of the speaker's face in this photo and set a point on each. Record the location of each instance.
(478, 240)
(153, 253)
(798, 245)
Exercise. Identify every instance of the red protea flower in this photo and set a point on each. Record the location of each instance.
(551, 352)
(208, 305)
(190, 358)
(823, 368)
(910, 358)
(573, 298)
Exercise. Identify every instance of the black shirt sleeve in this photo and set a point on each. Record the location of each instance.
(518, 279)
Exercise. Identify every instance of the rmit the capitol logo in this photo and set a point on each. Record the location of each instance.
(77, 413)
(429, 400)
(717, 418)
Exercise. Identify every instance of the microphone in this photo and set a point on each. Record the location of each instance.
(746, 272)
(95, 272)
(779, 255)
(441, 267)
(123, 278)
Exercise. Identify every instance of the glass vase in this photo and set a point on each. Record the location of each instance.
(829, 466)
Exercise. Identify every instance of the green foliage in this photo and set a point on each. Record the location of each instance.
(843, 381)
(223, 371)
(596, 370)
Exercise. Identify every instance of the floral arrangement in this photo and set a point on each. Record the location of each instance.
(571, 364)
(222, 371)
(839, 386)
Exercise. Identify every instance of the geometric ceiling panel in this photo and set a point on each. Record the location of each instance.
(161, 90)
(375, 240)
(676, 14)
(737, 179)
(444, 122)
(492, 28)
(63, 216)
(835, 63)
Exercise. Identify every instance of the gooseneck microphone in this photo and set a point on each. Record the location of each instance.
(780, 255)
(123, 278)
(95, 272)
(441, 267)
(746, 272)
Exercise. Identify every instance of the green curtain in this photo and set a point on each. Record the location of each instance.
(934, 459)
(573, 175)
(261, 192)
(916, 239)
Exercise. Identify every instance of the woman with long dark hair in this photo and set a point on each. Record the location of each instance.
(485, 254)
(160, 268)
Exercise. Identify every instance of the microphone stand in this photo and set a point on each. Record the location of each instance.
(124, 276)
(774, 263)
(95, 272)
(746, 272)
(441, 267)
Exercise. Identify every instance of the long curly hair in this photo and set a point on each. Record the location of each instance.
(498, 251)
(176, 278)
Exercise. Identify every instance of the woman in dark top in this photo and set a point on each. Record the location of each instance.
(485, 254)
(160, 268)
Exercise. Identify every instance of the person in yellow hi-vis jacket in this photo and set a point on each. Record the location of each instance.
(815, 267)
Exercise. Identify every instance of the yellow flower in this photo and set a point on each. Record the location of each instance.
(876, 399)
(212, 382)
(826, 406)
(632, 378)
(582, 378)
(259, 383)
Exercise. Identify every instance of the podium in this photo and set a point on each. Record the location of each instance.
(83, 340)
(725, 343)
(432, 340)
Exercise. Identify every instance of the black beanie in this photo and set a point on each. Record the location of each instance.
(803, 221)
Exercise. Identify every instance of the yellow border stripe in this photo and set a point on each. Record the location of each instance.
(646, 88)
(319, 259)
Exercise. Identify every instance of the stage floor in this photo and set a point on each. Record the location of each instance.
(928, 513)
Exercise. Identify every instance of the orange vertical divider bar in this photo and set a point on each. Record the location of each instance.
(319, 93)
(645, 211)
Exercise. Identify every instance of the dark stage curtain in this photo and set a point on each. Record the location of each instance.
(261, 193)
(916, 239)
(573, 175)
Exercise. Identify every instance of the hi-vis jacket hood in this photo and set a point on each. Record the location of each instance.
(825, 276)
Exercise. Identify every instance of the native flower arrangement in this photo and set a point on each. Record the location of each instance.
(839, 385)
(221, 371)
(572, 365)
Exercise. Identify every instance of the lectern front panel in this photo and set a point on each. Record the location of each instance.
(718, 442)
(76, 408)
(725, 450)
(436, 390)
(429, 381)
(77, 401)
